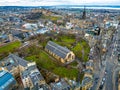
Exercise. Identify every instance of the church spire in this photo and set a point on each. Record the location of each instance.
(84, 13)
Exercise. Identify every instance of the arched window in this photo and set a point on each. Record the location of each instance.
(69, 56)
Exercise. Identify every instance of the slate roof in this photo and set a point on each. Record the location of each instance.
(57, 49)
(90, 64)
(13, 61)
(86, 80)
(15, 32)
(33, 73)
(61, 85)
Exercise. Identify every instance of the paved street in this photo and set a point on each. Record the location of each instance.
(108, 71)
(111, 63)
(115, 77)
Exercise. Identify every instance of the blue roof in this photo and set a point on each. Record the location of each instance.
(6, 80)
(3, 36)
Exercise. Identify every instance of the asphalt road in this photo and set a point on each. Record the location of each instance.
(112, 63)
(108, 66)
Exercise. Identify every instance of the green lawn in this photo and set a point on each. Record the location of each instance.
(78, 49)
(10, 47)
(74, 63)
(66, 41)
(44, 61)
(62, 71)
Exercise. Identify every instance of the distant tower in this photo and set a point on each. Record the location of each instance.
(84, 13)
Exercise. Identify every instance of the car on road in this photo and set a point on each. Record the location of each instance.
(103, 79)
(96, 78)
(102, 83)
(105, 72)
(101, 87)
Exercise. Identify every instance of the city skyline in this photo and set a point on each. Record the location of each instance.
(57, 2)
(53, 45)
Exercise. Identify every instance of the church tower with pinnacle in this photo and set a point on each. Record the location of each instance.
(84, 13)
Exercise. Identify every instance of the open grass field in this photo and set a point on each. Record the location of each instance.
(46, 61)
(81, 49)
(43, 60)
(10, 47)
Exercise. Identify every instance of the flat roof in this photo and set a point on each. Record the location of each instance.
(6, 79)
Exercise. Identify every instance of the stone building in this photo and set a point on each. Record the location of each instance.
(87, 81)
(14, 64)
(32, 79)
(62, 54)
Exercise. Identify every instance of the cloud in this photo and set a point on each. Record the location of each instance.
(94, 2)
(56, 2)
(9, 0)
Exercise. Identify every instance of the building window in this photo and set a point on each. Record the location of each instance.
(72, 57)
(69, 56)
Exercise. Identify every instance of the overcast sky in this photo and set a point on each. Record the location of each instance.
(57, 2)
